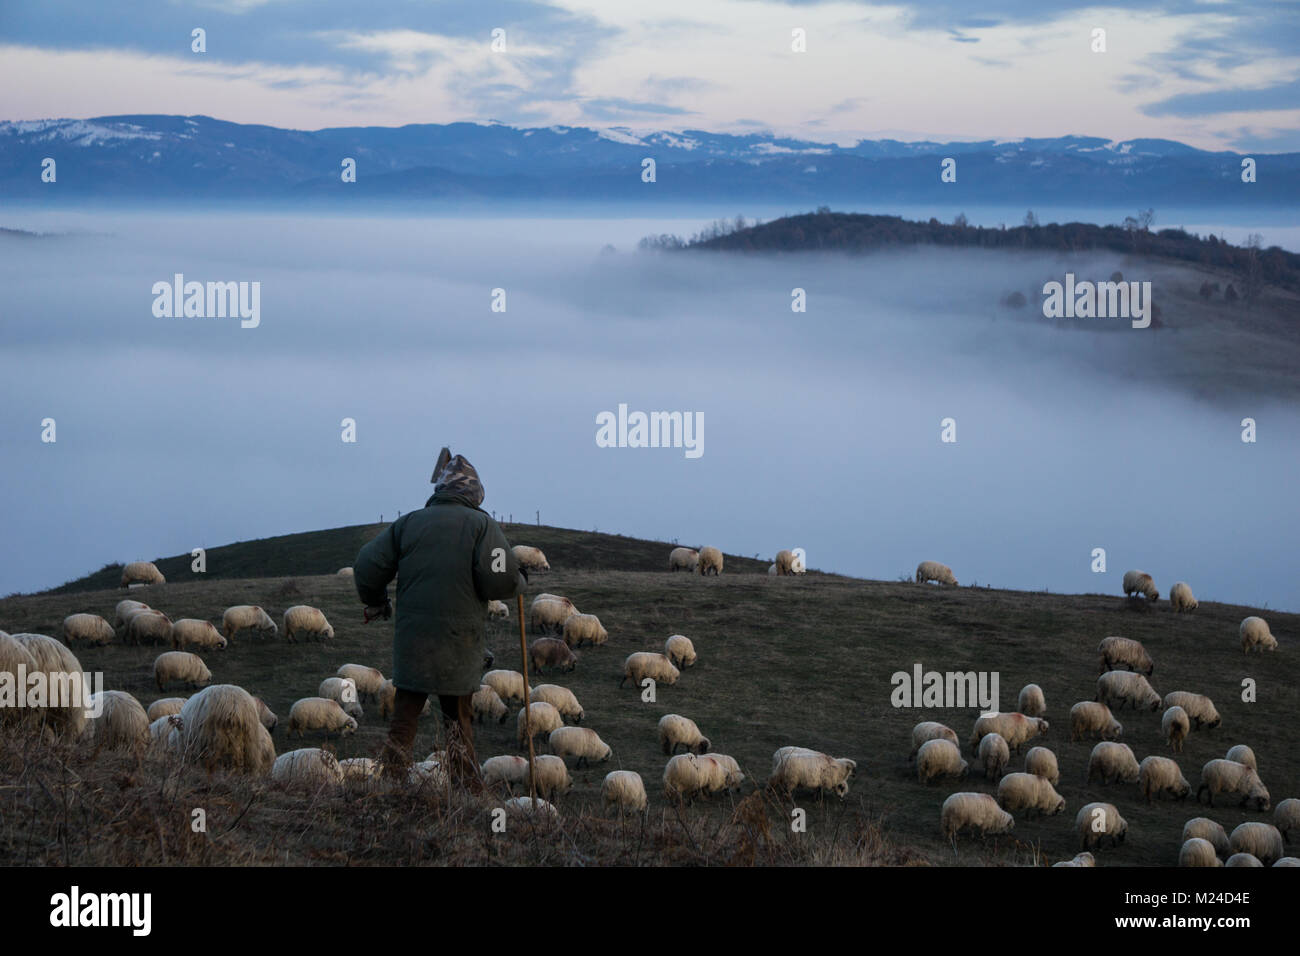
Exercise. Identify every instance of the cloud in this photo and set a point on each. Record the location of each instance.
(1285, 96)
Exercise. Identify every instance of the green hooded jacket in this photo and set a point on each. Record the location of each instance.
(450, 558)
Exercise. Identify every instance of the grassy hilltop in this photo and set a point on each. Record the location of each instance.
(802, 661)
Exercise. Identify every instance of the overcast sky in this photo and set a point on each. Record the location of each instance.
(1218, 75)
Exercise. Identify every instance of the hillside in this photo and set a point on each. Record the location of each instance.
(804, 661)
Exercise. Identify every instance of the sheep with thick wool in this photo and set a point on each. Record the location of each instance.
(343, 690)
(307, 620)
(172, 666)
(488, 705)
(1288, 861)
(551, 776)
(1031, 793)
(505, 769)
(308, 767)
(562, 699)
(551, 653)
(584, 628)
(530, 558)
(1286, 817)
(1031, 702)
(124, 610)
(978, 812)
(121, 724)
(1198, 852)
(368, 679)
(929, 730)
(1098, 822)
(1139, 582)
(141, 572)
(1200, 709)
(538, 718)
(1041, 762)
(508, 684)
(1261, 840)
(64, 712)
(1243, 859)
(684, 778)
(1091, 719)
(1229, 777)
(710, 562)
(645, 664)
(721, 771)
(1015, 729)
(683, 559)
(536, 811)
(1118, 688)
(994, 754)
(1079, 859)
(624, 789)
(928, 571)
(797, 768)
(148, 627)
(192, 632)
(160, 730)
(265, 714)
(247, 617)
(359, 769)
(548, 612)
(1243, 754)
(580, 742)
(1160, 776)
(940, 758)
(498, 611)
(89, 629)
(165, 707)
(1175, 725)
(220, 728)
(1124, 651)
(1113, 762)
(320, 714)
(789, 563)
(1255, 635)
(1206, 829)
(680, 650)
(678, 731)
(1182, 598)
(347, 572)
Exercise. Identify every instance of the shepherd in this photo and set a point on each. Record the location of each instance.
(450, 558)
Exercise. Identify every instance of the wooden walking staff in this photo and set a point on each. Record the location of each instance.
(528, 722)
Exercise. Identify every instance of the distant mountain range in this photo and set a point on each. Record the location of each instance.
(172, 158)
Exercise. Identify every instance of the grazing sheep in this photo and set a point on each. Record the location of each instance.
(507, 769)
(710, 562)
(498, 611)
(1209, 831)
(1042, 763)
(308, 767)
(679, 649)
(220, 728)
(388, 700)
(584, 627)
(121, 724)
(1260, 840)
(1031, 702)
(1029, 792)
(530, 558)
(928, 571)
(550, 614)
(191, 632)
(1200, 709)
(580, 742)
(359, 769)
(1097, 822)
(180, 666)
(343, 690)
(1243, 755)
(1080, 859)
(509, 685)
(1117, 688)
(551, 652)
(124, 611)
(487, 703)
(625, 789)
(940, 758)
(795, 768)
(1113, 762)
(1175, 726)
(645, 664)
(787, 563)
(684, 778)
(368, 679)
(1243, 859)
(148, 627)
(995, 755)
(266, 715)
(1139, 582)
(1228, 776)
(551, 776)
(345, 573)
(1124, 650)
(712, 764)
(1287, 816)
(562, 699)
(973, 811)
(683, 559)
(1160, 775)
(141, 572)
(676, 730)
(1091, 719)
(929, 730)
(538, 718)
(165, 707)
(428, 773)
(537, 811)
(160, 729)
(90, 628)
(1015, 729)
(320, 713)
(1181, 597)
(244, 617)
(307, 620)
(1256, 635)
(1198, 852)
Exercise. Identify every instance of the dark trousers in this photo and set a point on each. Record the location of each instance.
(457, 721)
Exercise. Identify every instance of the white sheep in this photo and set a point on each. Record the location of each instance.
(1228, 776)
(1287, 816)
(548, 613)
(680, 650)
(624, 789)
(1139, 582)
(551, 776)
(683, 559)
(562, 699)
(538, 718)
(973, 811)
(368, 679)
(710, 561)
(310, 766)
(1260, 840)
(498, 611)
(929, 730)
(684, 778)
(1096, 822)
(940, 758)
(797, 768)
(1200, 709)
(90, 628)
(488, 704)
(535, 810)
(1079, 859)
(1206, 829)
(320, 713)
(1113, 762)
(1244, 755)
(1288, 861)
(579, 628)
(148, 627)
(580, 742)
(359, 769)
(788, 563)
(302, 618)
(721, 770)
(181, 666)
(1015, 729)
(1243, 859)
(124, 609)
(1117, 688)
(645, 664)
(343, 690)
(1175, 725)
(1031, 702)
(1042, 763)
(244, 617)
(1255, 635)
(530, 558)
(220, 728)
(508, 684)
(1181, 597)
(192, 632)
(506, 769)
(265, 714)
(678, 731)
(994, 754)
(141, 572)
(928, 571)
(67, 688)
(1029, 792)
(1198, 852)
(165, 707)
(1091, 719)
(1124, 650)
(160, 729)
(121, 723)
(1160, 775)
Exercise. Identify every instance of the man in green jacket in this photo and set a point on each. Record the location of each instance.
(450, 558)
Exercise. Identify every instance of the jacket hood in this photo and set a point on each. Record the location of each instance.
(455, 477)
